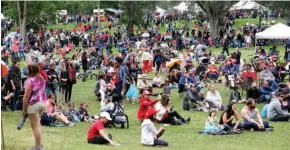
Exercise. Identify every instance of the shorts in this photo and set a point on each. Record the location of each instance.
(38, 107)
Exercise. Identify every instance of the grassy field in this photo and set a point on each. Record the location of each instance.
(179, 137)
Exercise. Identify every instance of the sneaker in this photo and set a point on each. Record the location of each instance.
(187, 120)
(269, 129)
(35, 148)
(70, 124)
(251, 130)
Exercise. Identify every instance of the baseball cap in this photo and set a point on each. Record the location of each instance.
(106, 115)
(145, 92)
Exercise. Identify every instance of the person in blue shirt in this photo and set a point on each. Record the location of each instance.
(273, 51)
(185, 78)
(266, 92)
(158, 60)
(229, 69)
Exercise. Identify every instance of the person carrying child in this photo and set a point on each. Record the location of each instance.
(149, 134)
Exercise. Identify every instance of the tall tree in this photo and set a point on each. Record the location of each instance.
(215, 11)
(22, 15)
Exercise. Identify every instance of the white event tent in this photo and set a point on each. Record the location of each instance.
(160, 11)
(248, 4)
(276, 31)
(182, 7)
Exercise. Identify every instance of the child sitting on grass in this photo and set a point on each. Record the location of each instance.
(83, 114)
(211, 124)
(72, 112)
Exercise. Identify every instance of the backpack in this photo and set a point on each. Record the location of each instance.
(118, 115)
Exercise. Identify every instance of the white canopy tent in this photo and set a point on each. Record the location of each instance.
(248, 4)
(2, 16)
(62, 12)
(160, 11)
(276, 31)
(182, 7)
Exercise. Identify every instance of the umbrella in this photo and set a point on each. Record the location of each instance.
(168, 37)
(145, 35)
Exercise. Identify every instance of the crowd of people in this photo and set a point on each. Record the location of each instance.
(124, 75)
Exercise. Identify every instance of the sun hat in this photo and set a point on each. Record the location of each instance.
(214, 109)
(105, 115)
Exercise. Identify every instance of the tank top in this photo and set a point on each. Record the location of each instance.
(251, 114)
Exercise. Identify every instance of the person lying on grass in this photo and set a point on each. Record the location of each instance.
(97, 134)
(149, 134)
(51, 115)
(252, 118)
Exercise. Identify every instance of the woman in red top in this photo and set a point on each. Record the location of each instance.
(71, 79)
(145, 104)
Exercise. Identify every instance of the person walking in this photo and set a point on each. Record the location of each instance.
(34, 101)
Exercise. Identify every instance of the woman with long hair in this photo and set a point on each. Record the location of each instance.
(71, 79)
(167, 115)
(229, 115)
(62, 74)
(34, 101)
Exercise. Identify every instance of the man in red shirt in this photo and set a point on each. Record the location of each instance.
(96, 133)
(212, 72)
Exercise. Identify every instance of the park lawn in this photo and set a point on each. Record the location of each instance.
(179, 137)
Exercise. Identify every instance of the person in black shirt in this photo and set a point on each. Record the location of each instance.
(84, 64)
(14, 78)
(52, 80)
(253, 92)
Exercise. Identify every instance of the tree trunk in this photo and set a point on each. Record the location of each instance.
(214, 26)
(22, 10)
(129, 29)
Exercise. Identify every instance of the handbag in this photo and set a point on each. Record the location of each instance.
(62, 84)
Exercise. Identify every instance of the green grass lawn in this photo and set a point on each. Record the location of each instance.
(179, 137)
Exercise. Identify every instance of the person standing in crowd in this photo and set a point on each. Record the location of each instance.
(84, 65)
(53, 80)
(62, 74)
(237, 56)
(275, 112)
(34, 101)
(252, 118)
(14, 76)
(71, 79)
(43, 74)
(97, 134)
(226, 46)
(146, 58)
(119, 77)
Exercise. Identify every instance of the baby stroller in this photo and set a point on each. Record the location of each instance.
(204, 60)
(118, 116)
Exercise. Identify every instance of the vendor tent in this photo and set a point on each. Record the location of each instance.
(160, 11)
(62, 12)
(182, 7)
(116, 11)
(277, 31)
(248, 4)
(2, 16)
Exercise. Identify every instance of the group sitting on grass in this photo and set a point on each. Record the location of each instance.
(124, 75)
